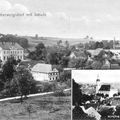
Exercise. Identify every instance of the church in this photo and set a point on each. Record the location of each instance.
(105, 89)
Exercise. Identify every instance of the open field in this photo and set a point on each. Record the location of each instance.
(50, 41)
(48, 107)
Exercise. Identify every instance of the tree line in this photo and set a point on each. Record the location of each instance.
(12, 38)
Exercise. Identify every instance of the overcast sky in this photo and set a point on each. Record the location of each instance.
(90, 76)
(64, 18)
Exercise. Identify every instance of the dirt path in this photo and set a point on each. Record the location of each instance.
(31, 95)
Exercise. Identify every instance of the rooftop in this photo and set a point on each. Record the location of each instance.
(105, 88)
(42, 68)
(10, 45)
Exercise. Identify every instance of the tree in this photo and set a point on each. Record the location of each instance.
(67, 45)
(12, 38)
(23, 82)
(77, 63)
(52, 58)
(77, 94)
(39, 53)
(64, 61)
(8, 70)
(59, 43)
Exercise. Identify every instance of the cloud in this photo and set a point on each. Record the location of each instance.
(7, 7)
(4, 5)
(98, 20)
(19, 8)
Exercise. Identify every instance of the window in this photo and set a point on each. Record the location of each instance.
(4, 58)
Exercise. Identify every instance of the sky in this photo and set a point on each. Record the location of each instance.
(90, 76)
(99, 19)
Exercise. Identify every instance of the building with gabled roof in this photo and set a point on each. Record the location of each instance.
(105, 89)
(8, 49)
(44, 72)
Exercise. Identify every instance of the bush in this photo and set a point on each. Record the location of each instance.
(59, 93)
(78, 113)
(46, 87)
(117, 110)
(105, 111)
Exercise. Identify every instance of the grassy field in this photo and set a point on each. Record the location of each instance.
(50, 41)
(47, 107)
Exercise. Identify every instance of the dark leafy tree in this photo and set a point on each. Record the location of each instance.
(23, 82)
(12, 38)
(77, 94)
(40, 52)
(8, 70)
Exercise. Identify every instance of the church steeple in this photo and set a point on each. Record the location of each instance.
(98, 80)
(97, 84)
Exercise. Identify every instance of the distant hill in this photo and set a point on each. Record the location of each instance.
(49, 41)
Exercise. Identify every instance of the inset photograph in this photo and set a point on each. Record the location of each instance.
(95, 94)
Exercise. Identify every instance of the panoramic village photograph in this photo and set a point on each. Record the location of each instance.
(43, 43)
(95, 95)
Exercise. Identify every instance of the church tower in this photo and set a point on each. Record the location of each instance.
(97, 84)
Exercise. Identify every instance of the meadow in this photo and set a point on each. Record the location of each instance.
(48, 107)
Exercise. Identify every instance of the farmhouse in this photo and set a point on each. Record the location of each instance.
(8, 49)
(44, 72)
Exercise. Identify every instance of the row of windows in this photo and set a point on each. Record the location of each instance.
(54, 73)
(17, 57)
(12, 52)
(54, 78)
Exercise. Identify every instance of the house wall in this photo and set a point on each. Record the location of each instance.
(40, 76)
(104, 92)
(17, 54)
(52, 76)
(112, 92)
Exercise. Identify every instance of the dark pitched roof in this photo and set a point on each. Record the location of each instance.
(105, 88)
(9, 45)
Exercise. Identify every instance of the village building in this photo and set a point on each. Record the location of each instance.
(8, 49)
(44, 72)
(105, 89)
(95, 52)
(106, 64)
(80, 54)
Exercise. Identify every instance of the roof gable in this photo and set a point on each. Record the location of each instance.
(10, 45)
(105, 88)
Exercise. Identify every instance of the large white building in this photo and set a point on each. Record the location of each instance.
(44, 72)
(8, 49)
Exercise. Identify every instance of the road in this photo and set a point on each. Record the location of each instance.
(31, 95)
